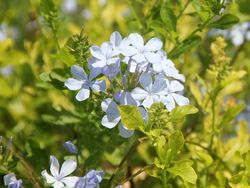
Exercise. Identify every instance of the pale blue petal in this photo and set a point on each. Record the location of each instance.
(54, 166)
(136, 40)
(124, 132)
(67, 168)
(96, 52)
(180, 100)
(110, 121)
(153, 44)
(98, 85)
(139, 94)
(78, 73)
(146, 81)
(83, 94)
(73, 84)
(148, 102)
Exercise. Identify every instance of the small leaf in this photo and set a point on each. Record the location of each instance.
(247, 161)
(176, 142)
(231, 113)
(226, 21)
(130, 116)
(185, 46)
(168, 17)
(178, 114)
(184, 170)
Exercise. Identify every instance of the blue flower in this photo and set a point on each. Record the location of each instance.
(70, 147)
(91, 180)
(83, 83)
(11, 181)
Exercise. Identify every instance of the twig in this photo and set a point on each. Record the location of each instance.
(122, 161)
(236, 55)
(30, 171)
(137, 173)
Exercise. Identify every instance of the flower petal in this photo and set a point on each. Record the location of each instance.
(180, 100)
(169, 102)
(136, 40)
(98, 85)
(73, 84)
(109, 106)
(153, 44)
(70, 181)
(148, 102)
(146, 81)
(67, 168)
(54, 166)
(58, 184)
(111, 120)
(139, 58)
(139, 94)
(115, 38)
(49, 178)
(152, 57)
(124, 132)
(96, 52)
(78, 72)
(175, 86)
(83, 94)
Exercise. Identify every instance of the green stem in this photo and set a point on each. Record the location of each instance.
(184, 8)
(121, 163)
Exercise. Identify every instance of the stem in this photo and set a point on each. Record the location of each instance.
(137, 173)
(184, 8)
(236, 55)
(121, 163)
(30, 171)
(213, 124)
(214, 155)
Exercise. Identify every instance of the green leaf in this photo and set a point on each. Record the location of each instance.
(168, 17)
(231, 113)
(247, 162)
(130, 116)
(176, 142)
(178, 113)
(184, 170)
(226, 21)
(185, 46)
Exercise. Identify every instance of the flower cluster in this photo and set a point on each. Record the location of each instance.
(138, 74)
(237, 34)
(60, 178)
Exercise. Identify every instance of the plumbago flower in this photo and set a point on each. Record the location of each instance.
(83, 83)
(11, 181)
(139, 74)
(59, 177)
(91, 180)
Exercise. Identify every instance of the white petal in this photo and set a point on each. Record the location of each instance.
(136, 40)
(153, 44)
(73, 84)
(78, 72)
(98, 85)
(124, 132)
(139, 58)
(49, 178)
(58, 184)
(157, 67)
(116, 38)
(54, 166)
(175, 86)
(96, 52)
(99, 63)
(146, 81)
(70, 181)
(152, 57)
(128, 50)
(113, 60)
(9, 178)
(67, 168)
(180, 100)
(83, 94)
(148, 102)
(169, 102)
(111, 120)
(139, 94)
